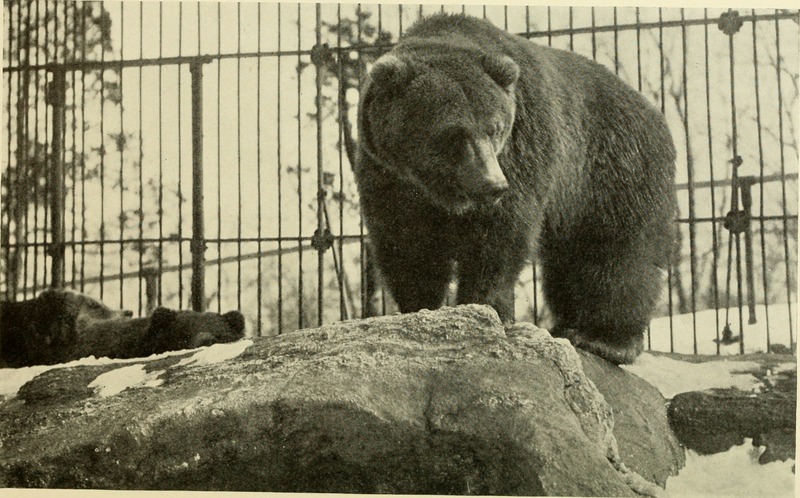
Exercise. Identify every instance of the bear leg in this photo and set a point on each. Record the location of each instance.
(416, 272)
(603, 289)
(489, 267)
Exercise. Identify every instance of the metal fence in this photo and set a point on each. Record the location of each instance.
(199, 155)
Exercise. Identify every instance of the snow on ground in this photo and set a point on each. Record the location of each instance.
(672, 377)
(115, 381)
(217, 353)
(735, 472)
(755, 335)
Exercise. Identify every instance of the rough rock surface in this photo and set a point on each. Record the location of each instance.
(646, 443)
(432, 402)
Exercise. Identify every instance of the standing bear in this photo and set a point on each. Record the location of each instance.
(479, 149)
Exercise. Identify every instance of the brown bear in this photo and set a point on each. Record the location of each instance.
(39, 330)
(479, 149)
(165, 330)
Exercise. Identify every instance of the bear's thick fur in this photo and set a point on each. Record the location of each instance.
(479, 149)
(39, 330)
(165, 330)
(60, 326)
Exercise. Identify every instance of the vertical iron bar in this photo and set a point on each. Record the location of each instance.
(10, 294)
(102, 174)
(735, 188)
(74, 130)
(83, 146)
(14, 193)
(63, 151)
(714, 235)
(56, 180)
(320, 186)
(75, 159)
(23, 167)
(746, 184)
(343, 91)
(783, 182)
(21, 159)
(52, 163)
(180, 158)
(362, 246)
(639, 87)
(663, 109)
(638, 52)
(616, 43)
(383, 289)
(534, 284)
(198, 245)
(219, 157)
(571, 31)
(594, 35)
(300, 296)
(239, 157)
(764, 281)
(690, 182)
(121, 150)
(280, 189)
(160, 155)
(141, 161)
(36, 227)
(259, 279)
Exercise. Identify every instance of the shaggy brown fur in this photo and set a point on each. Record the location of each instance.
(479, 149)
(40, 330)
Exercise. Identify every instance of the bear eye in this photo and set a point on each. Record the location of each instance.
(495, 131)
(450, 143)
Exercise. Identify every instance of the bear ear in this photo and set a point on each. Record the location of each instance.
(503, 70)
(390, 72)
(162, 318)
(235, 320)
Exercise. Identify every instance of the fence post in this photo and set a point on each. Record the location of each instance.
(151, 278)
(55, 98)
(746, 184)
(198, 244)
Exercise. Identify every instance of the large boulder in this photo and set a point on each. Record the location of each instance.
(432, 402)
(714, 420)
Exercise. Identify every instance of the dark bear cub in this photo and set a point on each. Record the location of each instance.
(40, 330)
(479, 149)
(165, 330)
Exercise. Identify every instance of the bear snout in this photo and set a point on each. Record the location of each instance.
(488, 187)
(494, 190)
(486, 183)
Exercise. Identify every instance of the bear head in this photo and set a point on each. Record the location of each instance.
(171, 330)
(44, 330)
(439, 118)
(85, 309)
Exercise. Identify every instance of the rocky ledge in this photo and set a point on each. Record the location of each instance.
(447, 401)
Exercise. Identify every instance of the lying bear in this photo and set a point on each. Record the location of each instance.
(60, 326)
(165, 330)
(39, 330)
(479, 149)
